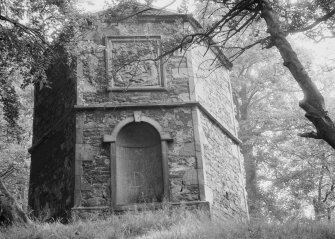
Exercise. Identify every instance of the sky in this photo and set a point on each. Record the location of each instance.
(96, 5)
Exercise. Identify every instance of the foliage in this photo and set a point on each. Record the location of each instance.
(283, 170)
(267, 23)
(183, 7)
(15, 139)
(20, 54)
(230, 20)
(169, 224)
(27, 32)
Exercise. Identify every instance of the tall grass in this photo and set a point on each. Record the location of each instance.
(166, 224)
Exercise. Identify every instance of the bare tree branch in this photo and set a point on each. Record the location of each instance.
(24, 28)
(312, 135)
(316, 22)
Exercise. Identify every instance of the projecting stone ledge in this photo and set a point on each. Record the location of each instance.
(103, 212)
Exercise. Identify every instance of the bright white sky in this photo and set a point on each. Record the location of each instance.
(97, 5)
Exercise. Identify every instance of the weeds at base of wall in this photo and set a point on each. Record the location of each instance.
(168, 224)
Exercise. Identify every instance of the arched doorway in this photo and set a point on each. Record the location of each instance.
(138, 166)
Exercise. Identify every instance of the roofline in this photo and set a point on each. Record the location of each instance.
(222, 57)
(194, 23)
(197, 26)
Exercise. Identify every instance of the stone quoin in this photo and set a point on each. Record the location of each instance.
(110, 136)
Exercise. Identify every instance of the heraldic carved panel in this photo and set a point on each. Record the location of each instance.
(132, 62)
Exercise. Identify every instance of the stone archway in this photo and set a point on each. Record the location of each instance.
(139, 169)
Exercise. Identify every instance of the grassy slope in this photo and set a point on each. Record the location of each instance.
(167, 224)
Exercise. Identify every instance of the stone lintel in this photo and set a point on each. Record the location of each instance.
(108, 139)
(167, 137)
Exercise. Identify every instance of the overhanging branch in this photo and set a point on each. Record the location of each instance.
(316, 22)
(24, 28)
(311, 134)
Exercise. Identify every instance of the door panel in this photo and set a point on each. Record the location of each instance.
(139, 176)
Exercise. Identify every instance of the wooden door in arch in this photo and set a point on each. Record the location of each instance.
(139, 172)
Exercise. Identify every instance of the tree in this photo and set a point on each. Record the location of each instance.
(238, 16)
(14, 160)
(253, 84)
(27, 32)
(183, 8)
(283, 171)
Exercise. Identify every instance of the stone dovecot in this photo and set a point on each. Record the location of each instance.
(118, 131)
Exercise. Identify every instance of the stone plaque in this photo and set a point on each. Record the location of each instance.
(132, 62)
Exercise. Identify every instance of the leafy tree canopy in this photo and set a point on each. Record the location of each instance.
(27, 32)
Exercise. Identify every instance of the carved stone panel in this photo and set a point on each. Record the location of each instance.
(131, 62)
(139, 174)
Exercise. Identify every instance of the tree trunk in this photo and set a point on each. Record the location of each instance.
(250, 165)
(10, 212)
(317, 202)
(313, 102)
(318, 209)
(251, 181)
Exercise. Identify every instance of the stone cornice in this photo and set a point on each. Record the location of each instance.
(220, 125)
(134, 105)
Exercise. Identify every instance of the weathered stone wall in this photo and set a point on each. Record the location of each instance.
(224, 173)
(212, 86)
(93, 83)
(95, 156)
(189, 77)
(94, 88)
(52, 154)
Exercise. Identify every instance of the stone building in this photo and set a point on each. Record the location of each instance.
(109, 137)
